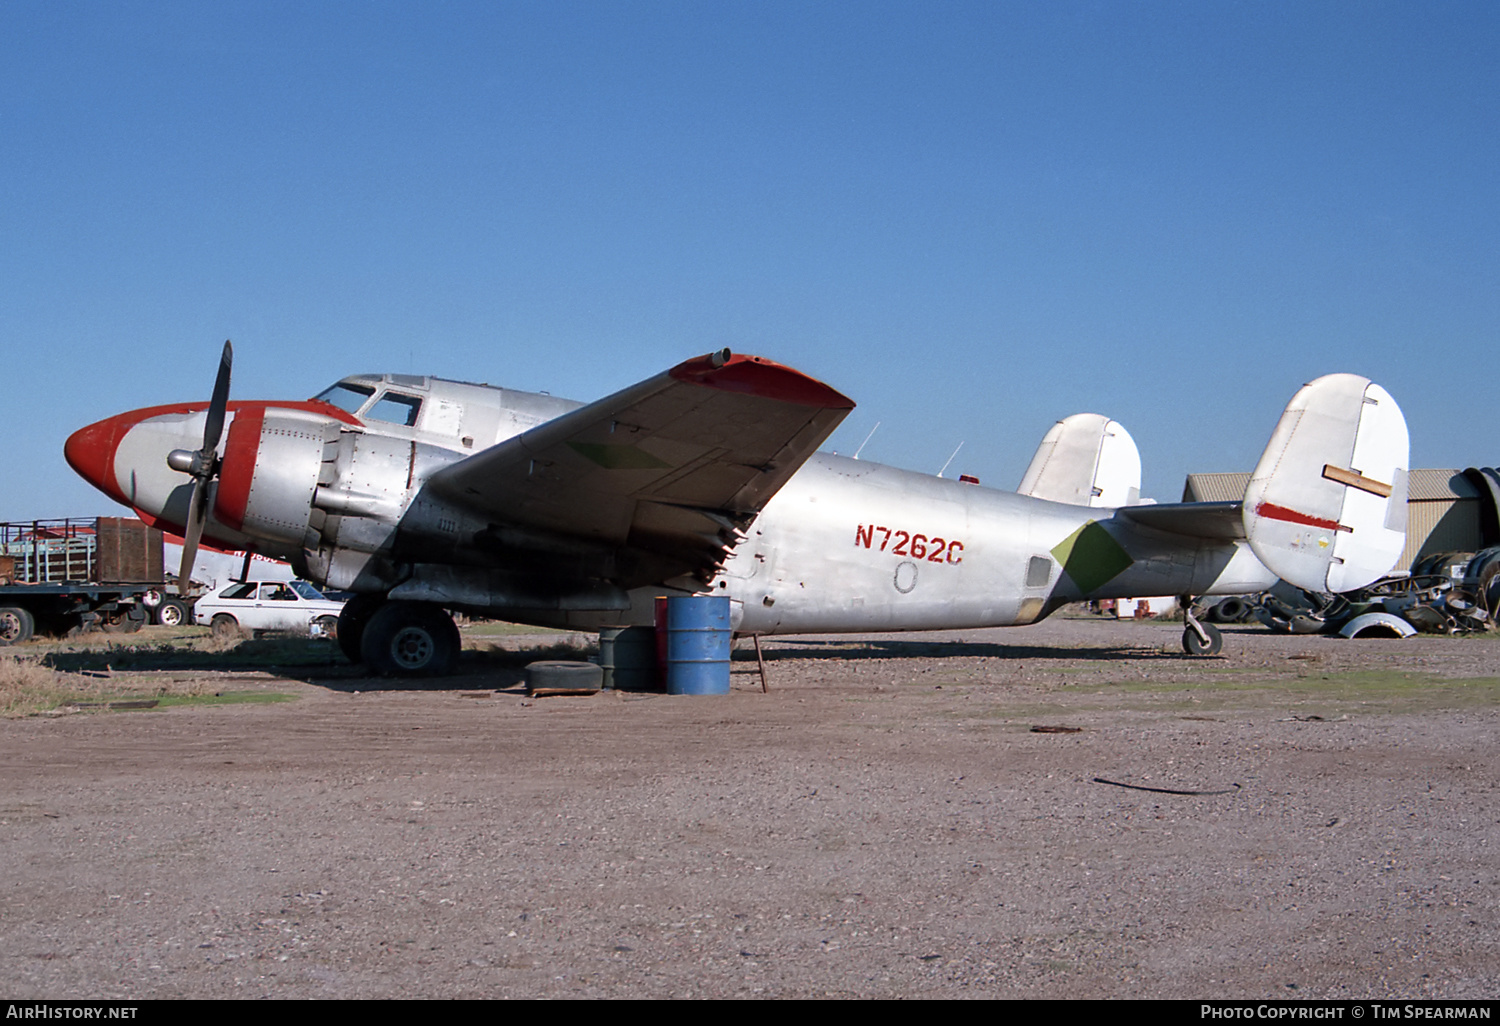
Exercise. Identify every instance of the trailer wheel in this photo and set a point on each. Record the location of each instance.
(172, 613)
(16, 625)
(123, 621)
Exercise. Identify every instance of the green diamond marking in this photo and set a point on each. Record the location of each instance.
(1091, 557)
(618, 457)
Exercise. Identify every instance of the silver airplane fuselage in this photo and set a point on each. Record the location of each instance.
(844, 546)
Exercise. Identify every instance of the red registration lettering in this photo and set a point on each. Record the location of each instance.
(931, 548)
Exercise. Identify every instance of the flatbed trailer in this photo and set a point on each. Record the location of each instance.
(62, 576)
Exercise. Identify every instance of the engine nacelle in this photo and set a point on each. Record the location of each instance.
(273, 458)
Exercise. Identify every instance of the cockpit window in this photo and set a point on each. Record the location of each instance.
(348, 398)
(396, 408)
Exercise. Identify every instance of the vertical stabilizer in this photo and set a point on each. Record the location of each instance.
(1085, 460)
(1326, 507)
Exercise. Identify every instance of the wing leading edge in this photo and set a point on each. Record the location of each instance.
(673, 466)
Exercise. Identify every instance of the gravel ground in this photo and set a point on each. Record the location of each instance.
(883, 823)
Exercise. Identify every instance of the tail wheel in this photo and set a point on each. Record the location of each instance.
(1196, 646)
(411, 639)
(16, 625)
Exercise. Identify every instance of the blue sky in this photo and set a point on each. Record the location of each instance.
(972, 218)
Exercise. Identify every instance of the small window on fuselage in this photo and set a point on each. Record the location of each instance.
(395, 408)
(348, 398)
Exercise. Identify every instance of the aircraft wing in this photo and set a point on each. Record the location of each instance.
(1220, 521)
(671, 467)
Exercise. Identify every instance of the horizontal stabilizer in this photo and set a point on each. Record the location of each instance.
(1085, 460)
(1214, 521)
(1326, 507)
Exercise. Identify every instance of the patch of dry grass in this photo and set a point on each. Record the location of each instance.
(24, 683)
(29, 687)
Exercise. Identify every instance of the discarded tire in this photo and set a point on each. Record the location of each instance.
(564, 675)
(1231, 610)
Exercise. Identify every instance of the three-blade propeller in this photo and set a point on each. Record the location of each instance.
(203, 465)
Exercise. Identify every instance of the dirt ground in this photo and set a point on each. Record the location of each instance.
(883, 823)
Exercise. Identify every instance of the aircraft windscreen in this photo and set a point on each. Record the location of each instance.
(348, 398)
(396, 408)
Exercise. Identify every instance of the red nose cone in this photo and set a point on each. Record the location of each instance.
(91, 452)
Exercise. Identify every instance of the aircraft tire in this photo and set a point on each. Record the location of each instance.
(410, 639)
(1194, 646)
(16, 625)
(352, 620)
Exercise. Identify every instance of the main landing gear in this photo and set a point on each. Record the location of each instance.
(399, 639)
(1199, 638)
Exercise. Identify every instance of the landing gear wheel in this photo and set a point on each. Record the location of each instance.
(352, 620)
(410, 639)
(16, 625)
(172, 613)
(1194, 645)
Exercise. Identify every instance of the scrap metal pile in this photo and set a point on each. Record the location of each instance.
(1444, 593)
(1447, 593)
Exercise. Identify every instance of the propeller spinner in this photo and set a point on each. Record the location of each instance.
(203, 465)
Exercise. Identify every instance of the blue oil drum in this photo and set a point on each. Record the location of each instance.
(628, 656)
(698, 643)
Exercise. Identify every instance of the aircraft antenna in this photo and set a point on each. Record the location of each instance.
(867, 440)
(951, 459)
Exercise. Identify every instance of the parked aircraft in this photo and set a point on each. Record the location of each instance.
(424, 495)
